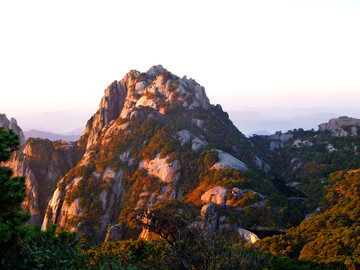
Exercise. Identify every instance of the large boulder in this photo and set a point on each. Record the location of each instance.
(159, 167)
(216, 195)
(247, 235)
(184, 136)
(228, 161)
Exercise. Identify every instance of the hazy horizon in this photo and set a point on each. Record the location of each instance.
(248, 120)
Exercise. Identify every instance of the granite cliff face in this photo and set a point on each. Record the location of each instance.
(109, 109)
(155, 137)
(42, 163)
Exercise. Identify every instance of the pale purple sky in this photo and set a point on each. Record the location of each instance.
(61, 55)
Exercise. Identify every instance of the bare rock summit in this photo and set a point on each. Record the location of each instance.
(157, 89)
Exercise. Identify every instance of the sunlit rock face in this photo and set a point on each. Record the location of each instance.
(342, 126)
(228, 161)
(157, 89)
(42, 163)
(216, 195)
(247, 235)
(159, 167)
(20, 166)
(109, 109)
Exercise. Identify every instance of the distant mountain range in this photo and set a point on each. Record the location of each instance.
(268, 121)
(58, 122)
(34, 133)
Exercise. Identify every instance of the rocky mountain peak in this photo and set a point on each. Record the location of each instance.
(157, 89)
(162, 91)
(12, 124)
(155, 70)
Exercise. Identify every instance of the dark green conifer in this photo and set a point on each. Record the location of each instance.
(12, 194)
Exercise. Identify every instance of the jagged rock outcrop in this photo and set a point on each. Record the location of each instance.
(157, 89)
(109, 109)
(342, 126)
(12, 124)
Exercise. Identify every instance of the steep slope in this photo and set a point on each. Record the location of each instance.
(156, 137)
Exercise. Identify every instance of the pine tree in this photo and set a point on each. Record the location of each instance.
(12, 194)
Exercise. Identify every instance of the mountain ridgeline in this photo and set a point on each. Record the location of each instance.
(156, 141)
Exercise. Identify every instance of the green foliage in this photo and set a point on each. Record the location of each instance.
(128, 254)
(45, 250)
(211, 157)
(138, 182)
(331, 236)
(161, 143)
(12, 194)
(312, 164)
(200, 253)
(169, 219)
(278, 263)
(191, 245)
